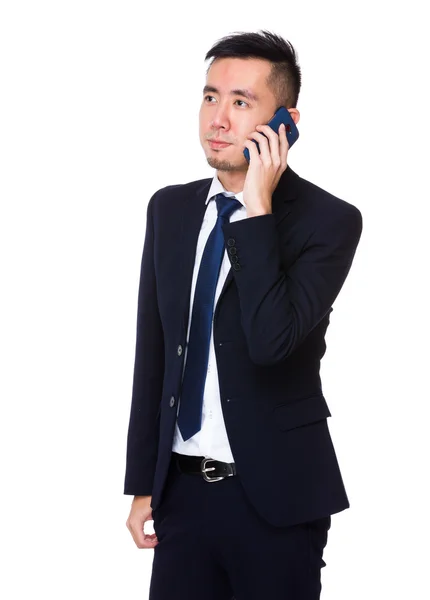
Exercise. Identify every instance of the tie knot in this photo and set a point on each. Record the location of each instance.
(226, 205)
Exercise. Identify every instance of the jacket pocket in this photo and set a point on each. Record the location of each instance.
(302, 412)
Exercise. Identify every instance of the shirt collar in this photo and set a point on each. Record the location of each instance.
(217, 188)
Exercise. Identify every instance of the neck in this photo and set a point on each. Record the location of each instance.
(232, 181)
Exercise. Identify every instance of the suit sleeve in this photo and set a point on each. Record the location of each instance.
(143, 430)
(280, 307)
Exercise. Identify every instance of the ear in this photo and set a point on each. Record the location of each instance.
(295, 115)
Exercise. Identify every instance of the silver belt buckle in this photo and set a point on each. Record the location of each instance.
(205, 470)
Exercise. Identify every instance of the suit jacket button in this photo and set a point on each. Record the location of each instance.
(172, 401)
(232, 251)
(233, 259)
(179, 350)
(231, 242)
(236, 266)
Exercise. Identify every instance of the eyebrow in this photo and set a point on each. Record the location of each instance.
(237, 92)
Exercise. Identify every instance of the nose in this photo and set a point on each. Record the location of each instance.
(220, 119)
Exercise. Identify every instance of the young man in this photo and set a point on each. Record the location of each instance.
(229, 450)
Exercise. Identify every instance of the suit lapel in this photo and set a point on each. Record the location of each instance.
(193, 209)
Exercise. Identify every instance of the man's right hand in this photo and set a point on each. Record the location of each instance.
(141, 512)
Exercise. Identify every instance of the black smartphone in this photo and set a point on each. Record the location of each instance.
(281, 116)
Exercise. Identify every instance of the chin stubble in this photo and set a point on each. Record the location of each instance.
(225, 165)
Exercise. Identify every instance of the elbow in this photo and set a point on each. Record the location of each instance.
(269, 356)
(263, 360)
(269, 347)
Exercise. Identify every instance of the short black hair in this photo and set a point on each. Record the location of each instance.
(285, 78)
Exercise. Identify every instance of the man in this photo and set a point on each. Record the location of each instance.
(229, 450)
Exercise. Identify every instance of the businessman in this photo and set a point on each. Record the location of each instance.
(228, 448)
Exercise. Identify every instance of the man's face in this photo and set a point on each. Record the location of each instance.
(236, 98)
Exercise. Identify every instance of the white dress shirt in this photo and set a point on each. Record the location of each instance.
(212, 438)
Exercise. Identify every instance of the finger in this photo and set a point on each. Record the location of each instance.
(142, 539)
(253, 152)
(284, 146)
(273, 143)
(150, 540)
(263, 143)
(137, 533)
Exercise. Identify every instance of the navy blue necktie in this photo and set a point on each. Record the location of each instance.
(193, 383)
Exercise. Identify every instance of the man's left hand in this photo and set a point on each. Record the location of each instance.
(265, 169)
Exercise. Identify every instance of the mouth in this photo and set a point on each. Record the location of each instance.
(215, 145)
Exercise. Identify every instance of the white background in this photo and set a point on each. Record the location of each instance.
(93, 95)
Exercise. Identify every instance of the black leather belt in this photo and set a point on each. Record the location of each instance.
(209, 468)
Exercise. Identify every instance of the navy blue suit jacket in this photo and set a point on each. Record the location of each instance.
(269, 326)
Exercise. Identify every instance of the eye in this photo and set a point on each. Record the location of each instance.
(243, 102)
(206, 97)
